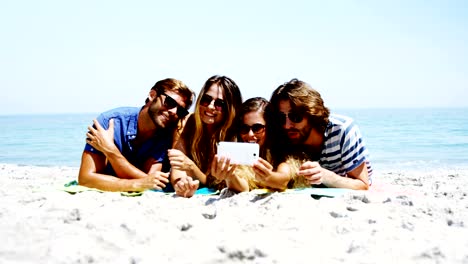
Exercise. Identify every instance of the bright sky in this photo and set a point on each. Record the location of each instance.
(90, 56)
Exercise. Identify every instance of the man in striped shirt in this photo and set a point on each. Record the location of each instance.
(331, 146)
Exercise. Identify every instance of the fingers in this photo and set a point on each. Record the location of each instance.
(171, 153)
(222, 167)
(192, 188)
(111, 125)
(193, 185)
(313, 175)
(162, 177)
(231, 169)
(309, 164)
(260, 171)
(175, 164)
(165, 175)
(186, 187)
(91, 132)
(158, 185)
(315, 179)
(97, 125)
(175, 153)
(262, 168)
(223, 164)
(179, 160)
(265, 164)
(181, 186)
(90, 135)
(312, 172)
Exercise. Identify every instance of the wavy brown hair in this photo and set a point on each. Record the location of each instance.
(303, 99)
(171, 84)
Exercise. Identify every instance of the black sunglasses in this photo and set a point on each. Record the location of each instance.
(256, 128)
(218, 103)
(294, 117)
(170, 103)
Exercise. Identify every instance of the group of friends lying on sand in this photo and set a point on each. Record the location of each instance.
(162, 146)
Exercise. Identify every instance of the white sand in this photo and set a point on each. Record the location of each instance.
(420, 218)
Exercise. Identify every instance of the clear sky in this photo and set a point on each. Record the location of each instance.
(90, 56)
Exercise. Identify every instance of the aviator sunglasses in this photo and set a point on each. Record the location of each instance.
(293, 117)
(218, 103)
(170, 103)
(256, 128)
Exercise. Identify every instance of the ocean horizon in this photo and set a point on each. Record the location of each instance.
(397, 139)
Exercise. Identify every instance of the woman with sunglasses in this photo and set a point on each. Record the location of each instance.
(193, 160)
(251, 123)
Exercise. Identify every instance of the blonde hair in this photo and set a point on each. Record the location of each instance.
(200, 145)
(296, 181)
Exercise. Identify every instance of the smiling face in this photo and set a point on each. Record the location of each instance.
(211, 112)
(253, 128)
(163, 110)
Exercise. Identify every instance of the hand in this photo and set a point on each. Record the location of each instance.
(221, 168)
(263, 170)
(179, 160)
(101, 139)
(186, 187)
(312, 172)
(155, 181)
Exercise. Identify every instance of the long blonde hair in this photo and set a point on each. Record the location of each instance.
(202, 145)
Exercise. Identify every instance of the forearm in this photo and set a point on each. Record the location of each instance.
(108, 183)
(196, 173)
(277, 180)
(333, 180)
(280, 178)
(122, 167)
(238, 184)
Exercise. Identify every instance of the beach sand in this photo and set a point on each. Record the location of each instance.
(406, 217)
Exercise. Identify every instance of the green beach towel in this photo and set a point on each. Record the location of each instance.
(73, 187)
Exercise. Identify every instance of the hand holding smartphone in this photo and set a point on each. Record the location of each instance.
(241, 153)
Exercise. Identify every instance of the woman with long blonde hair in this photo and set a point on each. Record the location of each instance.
(193, 158)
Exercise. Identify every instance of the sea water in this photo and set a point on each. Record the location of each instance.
(44, 140)
(400, 139)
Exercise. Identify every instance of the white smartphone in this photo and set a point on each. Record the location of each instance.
(239, 152)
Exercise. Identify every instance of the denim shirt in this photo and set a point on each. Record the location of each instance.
(125, 132)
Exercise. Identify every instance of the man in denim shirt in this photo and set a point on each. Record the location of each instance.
(126, 146)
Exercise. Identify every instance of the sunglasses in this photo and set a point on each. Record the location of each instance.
(293, 117)
(256, 128)
(218, 103)
(170, 103)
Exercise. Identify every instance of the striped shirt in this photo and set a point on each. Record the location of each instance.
(343, 149)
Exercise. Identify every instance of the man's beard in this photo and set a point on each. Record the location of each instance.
(153, 115)
(303, 135)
